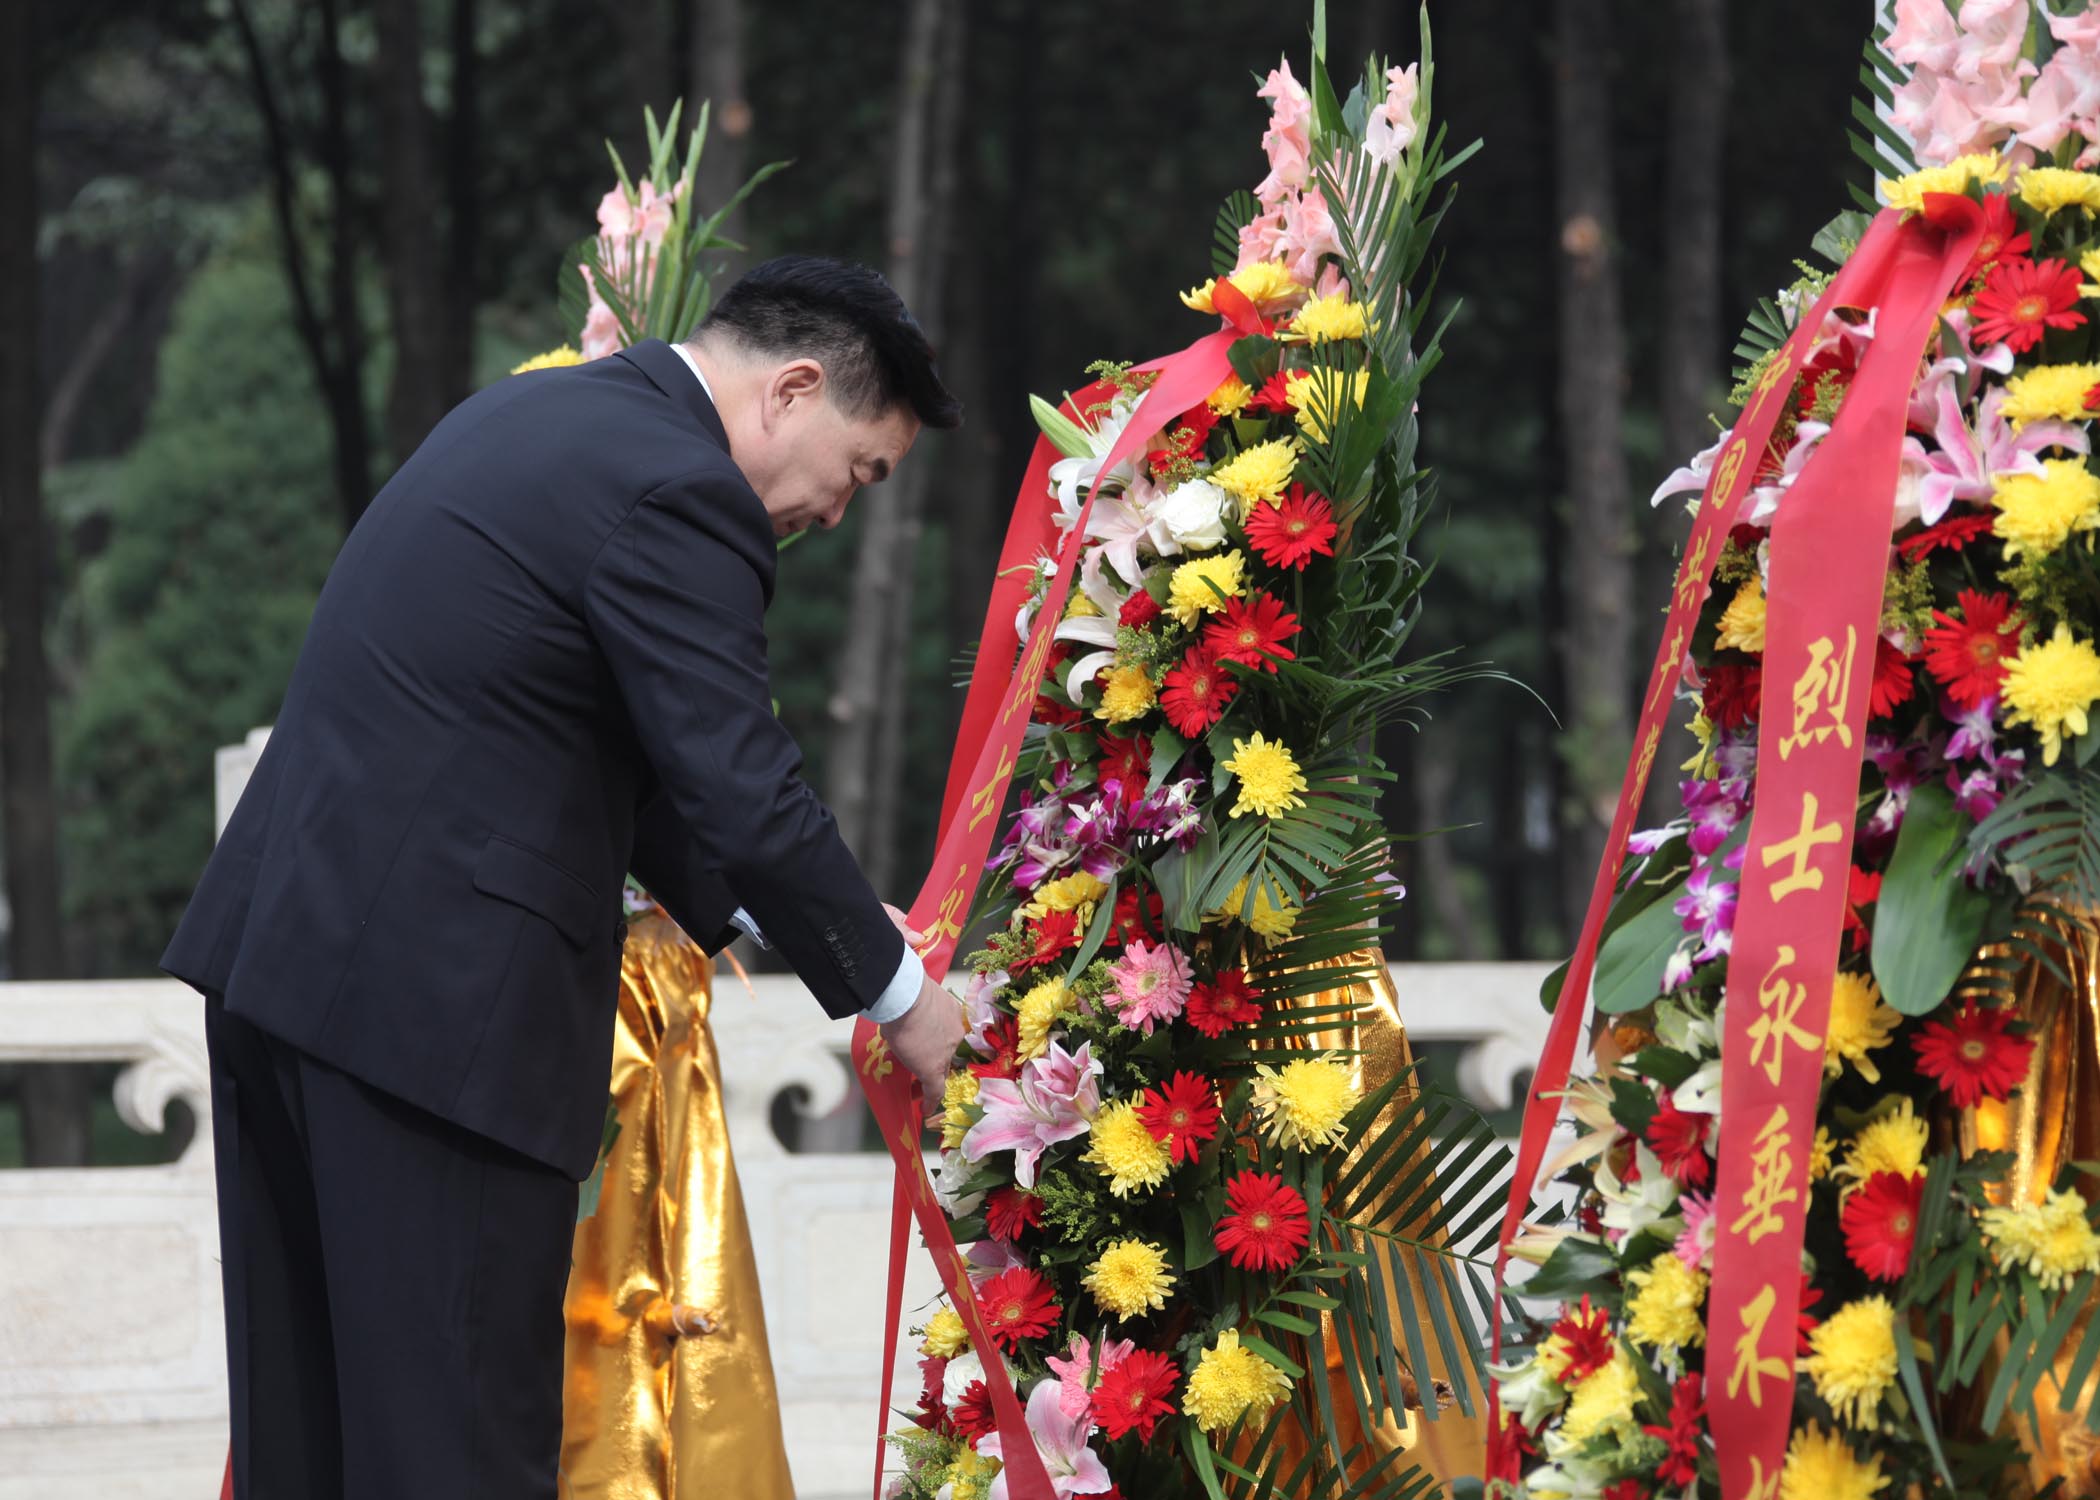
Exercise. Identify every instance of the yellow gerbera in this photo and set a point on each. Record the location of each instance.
(1743, 622)
(1231, 1382)
(1202, 586)
(2049, 391)
(1269, 777)
(2049, 190)
(1324, 319)
(560, 357)
(2049, 686)
(1852, 1358)
(1303, 1103)
(2037, 513)
(1258, 475)
(1263, 282)
(1860, 1023)
(1129, 1278)
(1908, 193)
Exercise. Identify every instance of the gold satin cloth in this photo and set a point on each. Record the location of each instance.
(669, 1390)
(2052, 1118)
(1454, 1445)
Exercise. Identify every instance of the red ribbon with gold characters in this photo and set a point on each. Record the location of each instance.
(996, 712)
(1828, 558)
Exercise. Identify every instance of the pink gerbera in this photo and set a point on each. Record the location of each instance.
(1152, 985)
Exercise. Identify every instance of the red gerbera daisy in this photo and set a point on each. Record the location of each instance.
(1289, 533)
(1265, 1226)
(1132, 1397)
(1275, 392)
(1056, 713)
(2002, 235)
(1003, 1036)
(1680, 1464)
(1974, 1056)
(1126, 762)
(1862, 890)
(1182, 1115)
(1224, 1003)
(971, 1417)
(1011, 1212)
(1893, 682)
(1139, 610)
(1136, 918)
(1624, 1489)
(1805, 1322)
(1055, 935)
(1016, 1305)
(2092, 398)
(2022, 299)
(1508, 1446)
(1585, 1334)
(933, 1411)
(1954, 533)
(1252, 632)
(1678, 1139)
(1880, 1221)
(1196, 692)
(1968, 655)
(1730, 698)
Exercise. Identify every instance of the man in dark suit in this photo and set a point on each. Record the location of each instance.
(539, 663)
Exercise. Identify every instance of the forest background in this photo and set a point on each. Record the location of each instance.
(252, 250)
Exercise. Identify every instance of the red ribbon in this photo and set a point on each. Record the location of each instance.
(1905, 269)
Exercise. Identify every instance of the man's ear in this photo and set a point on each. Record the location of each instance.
(797, 381)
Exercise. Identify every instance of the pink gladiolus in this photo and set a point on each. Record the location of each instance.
(1075, 1395)
(601, 329)
(1152, 985)
(1308, 236)
(1390, 129)
(1992, 35)
(1074, 1468)
(1055, 1099)
(1288, 140)
(1924, 35)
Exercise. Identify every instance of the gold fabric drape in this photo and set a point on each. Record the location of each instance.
(2051, 1119)
(1452, 1446)
(669, 1391)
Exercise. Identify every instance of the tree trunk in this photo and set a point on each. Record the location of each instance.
(717, 75)
(1597, 642)
(1435, 767)
(415, 265)
(462, 192)
(114, 320)
(862, 774)
(55, 1104)
(1692, 349)
(644, 28)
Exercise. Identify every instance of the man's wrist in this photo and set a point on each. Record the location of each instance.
(902, 993)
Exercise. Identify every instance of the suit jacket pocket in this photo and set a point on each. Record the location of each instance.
(511, 872)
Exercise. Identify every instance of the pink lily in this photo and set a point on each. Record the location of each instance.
(1966, 463)
(1074, 1468)
(1055, 1098)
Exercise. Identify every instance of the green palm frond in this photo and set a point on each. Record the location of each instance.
(2046, 834)
(1877, 143)
(1234, 214)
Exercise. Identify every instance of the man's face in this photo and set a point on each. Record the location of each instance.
(806, 457)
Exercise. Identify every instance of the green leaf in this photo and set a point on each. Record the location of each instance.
(1065, 435)
(1630, 965)
(1928, 919)
(1575, 1267)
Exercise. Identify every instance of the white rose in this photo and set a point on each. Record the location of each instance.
(1193, 515)
(963, 1371)
(947, 1186)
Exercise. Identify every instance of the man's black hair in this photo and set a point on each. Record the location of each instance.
(849, 320)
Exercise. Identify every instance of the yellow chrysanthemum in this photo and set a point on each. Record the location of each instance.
(1129, 1278)
(2053, 1239)
(2038, 512)
(1079, 607)
(1908, 193)
(1125, 1152)
(1852, 1358)
(558, 358)
(1860, 1023)
(1127, 694)
(2049, 391)
(1819, 1466)
(1743, 622)
(1703, 764)
(1664, 1309)
(1231, 1382)
(1269, 776)
(1822, 1152)
(1269, 920)
(2049, 190)
(1893, 1143)
(969, 1475)
(1039, 1011)
(1231, 398)
(1202, 586)
(1318, 396)
(1303, 1103)
(944, 1336)
(1263, 282)
(2049, 686)
(956, 1098)
(1076, 892)
(1324, 319)
(1604, 1401)
(1258, 475)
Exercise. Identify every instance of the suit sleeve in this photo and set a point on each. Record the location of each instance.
(679, 873)
(675, 602)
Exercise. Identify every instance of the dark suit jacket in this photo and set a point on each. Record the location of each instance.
(538, 663)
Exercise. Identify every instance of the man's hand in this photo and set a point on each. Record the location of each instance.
(911, 934)
(925, 1037)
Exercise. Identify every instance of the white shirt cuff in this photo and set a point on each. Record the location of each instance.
(743, 922)
(903, 991)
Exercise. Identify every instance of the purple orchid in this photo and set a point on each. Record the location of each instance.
(1055, 1098)
(1708, 906)
(1097, 831)
(1975, 731)
(1074, 1468)
(1975, 794)
(1170, 813)
(1714, 810)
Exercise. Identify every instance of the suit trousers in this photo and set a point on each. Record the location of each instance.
(394, 1288)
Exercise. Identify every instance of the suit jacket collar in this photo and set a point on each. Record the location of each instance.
(670, 374)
